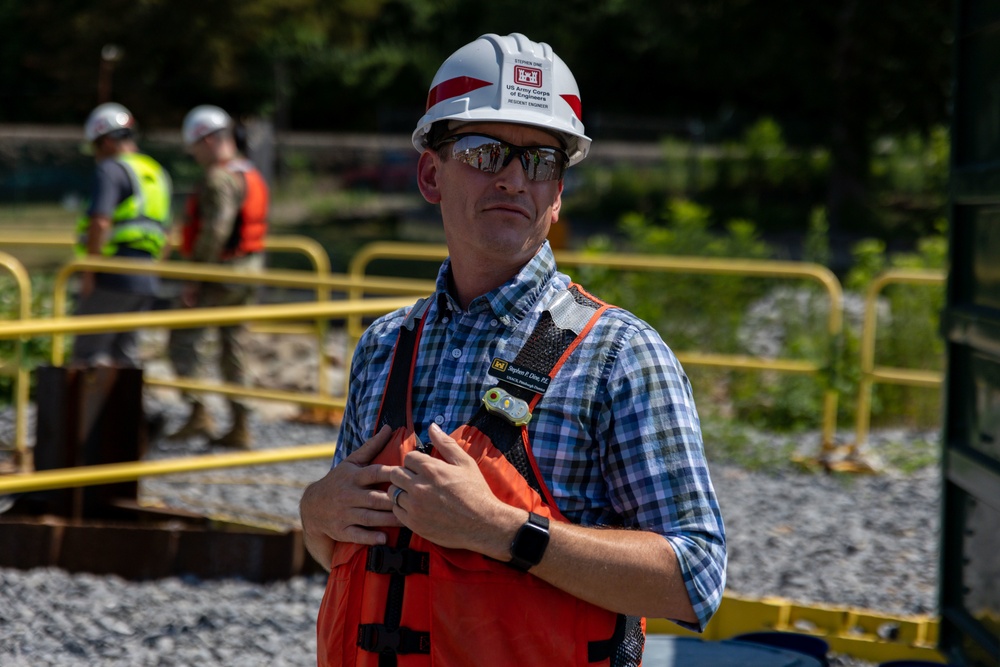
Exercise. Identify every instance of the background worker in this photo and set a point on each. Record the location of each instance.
(225, 223)
(128, 216)
(520, 473)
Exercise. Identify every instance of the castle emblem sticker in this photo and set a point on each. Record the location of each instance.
(521, 377)
(528, 76)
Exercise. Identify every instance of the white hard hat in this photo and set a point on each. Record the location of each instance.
(508, 79)
(204, 120)
(106, 118)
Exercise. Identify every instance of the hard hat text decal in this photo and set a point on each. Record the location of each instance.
(527, 86)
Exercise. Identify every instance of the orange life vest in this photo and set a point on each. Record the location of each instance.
(411, 602)
(250, 226)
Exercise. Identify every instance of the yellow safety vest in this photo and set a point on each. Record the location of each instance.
(141, 220)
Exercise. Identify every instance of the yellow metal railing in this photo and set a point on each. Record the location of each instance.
(870, 373)
(196, 317)
(734, 267)
(848, 631)
(293, 243)
(213, 273)
(111, 473)
(17, 369)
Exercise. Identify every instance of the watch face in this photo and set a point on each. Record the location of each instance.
(531, 542)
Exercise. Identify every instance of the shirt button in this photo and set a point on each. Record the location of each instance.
(456, 353)
(494, 322)
(439, 420)
(445, 320)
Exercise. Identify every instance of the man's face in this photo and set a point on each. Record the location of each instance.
(503, 216)
(203, 150)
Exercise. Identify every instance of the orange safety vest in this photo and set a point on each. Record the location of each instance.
(411, 602)
(250, 226)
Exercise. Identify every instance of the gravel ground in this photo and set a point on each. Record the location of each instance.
(866, 541)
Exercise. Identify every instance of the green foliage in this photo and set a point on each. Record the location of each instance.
(662, 298)
(733, 442)
(764, 178)
(910, 182)
(776, 319)
(908, 325)
(34, 351)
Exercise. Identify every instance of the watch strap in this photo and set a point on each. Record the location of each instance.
(530, 542)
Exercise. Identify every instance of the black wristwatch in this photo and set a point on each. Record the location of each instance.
(529, 544)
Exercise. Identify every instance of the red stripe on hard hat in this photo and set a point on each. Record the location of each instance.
(460, 85)
(574, 103)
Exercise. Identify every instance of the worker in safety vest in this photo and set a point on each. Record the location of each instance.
(520, 476)
(128, 216)
(225, 222)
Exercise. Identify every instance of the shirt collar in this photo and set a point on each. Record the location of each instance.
(511, 301)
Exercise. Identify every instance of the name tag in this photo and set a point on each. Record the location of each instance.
(521, 377)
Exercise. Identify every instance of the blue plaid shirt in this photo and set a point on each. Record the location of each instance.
(616, 435)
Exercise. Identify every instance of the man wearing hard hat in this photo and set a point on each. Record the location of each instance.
(128, 216)
(225, 222)
(519, 477)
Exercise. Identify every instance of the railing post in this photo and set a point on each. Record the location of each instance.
(22, 381)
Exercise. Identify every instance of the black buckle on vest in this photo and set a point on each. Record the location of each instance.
(383, 559)
(380, 639)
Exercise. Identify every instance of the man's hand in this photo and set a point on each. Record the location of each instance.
(189, 294)
(346, 505)
(449, 502)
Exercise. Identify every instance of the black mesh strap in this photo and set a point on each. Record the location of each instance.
(624, 647)
(398, 641)
(384, 559)
(394, 409)
(540, 353)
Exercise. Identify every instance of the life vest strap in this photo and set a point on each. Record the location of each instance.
(383, 559)
(378, 638)
(624, 647)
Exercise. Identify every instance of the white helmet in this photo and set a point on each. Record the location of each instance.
(509, 79)
(107, 118)
(204, 120)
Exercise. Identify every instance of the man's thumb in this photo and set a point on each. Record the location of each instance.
(450, 450)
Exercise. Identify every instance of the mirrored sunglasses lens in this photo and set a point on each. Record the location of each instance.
(543, 164)
(492, 155)
(482, 153)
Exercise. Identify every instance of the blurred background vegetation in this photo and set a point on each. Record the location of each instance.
(729, 128)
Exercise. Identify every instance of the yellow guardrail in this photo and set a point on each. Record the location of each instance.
(734, 267)
(17, 368)
(357, 284)
(870, 373)
(304, 245)
(194, 317)
(111, 473)
(849, 631)
(214, 273)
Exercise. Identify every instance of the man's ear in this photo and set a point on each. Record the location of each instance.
(428, 169)
(557, 204)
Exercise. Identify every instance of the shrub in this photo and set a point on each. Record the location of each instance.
(36, 350)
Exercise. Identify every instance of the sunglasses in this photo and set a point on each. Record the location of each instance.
(491, 155)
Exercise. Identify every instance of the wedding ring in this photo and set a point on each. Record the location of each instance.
(395, 496)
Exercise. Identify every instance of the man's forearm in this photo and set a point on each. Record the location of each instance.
(96, 232)
(632, 572)
(628, 571)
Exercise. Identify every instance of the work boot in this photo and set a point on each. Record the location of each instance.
(238, 436)
(198, 425)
